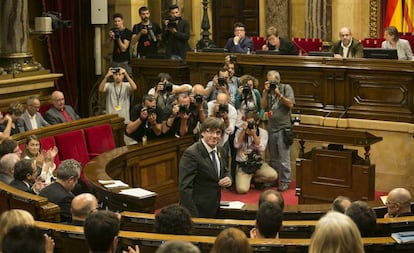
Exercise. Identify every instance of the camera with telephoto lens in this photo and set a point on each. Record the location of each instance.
(198, 99)
(151, 110)
(273, 85)
(117, 33)
(184, 109)
(168, 87)
(223, 108)
(222, 81)
(172, 22)
(115, 70)
(246, 90)
(250, 125)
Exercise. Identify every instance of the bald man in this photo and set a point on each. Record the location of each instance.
(347, 47)
(398, 203)
(59, 112)
(272, 196)
(83, 205)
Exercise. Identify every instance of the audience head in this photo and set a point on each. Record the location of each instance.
(273, 75)
(340, 204)
(398, 202)
(178, 247)
(173, 219)
(345, 35)
(231, 240)
(222, 98)
(33, 105)
(269, 220)
(58, 100)
(363, 216)
(9, 146)
(16, 110)
(24, 170)
(336, 232)
(198, 89)
(174, 10)
(248, 80)
(24, 238)
(32, 146)
(391, 34)
(12, 218)
(7, 163)
(272, 35)
(68, 173)
(272, 196)
(149, 101)
(239, 29)
(212, 130)
(101, 231)
(144, 13)
(83, 205)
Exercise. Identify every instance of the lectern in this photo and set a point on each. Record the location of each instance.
(322, 174)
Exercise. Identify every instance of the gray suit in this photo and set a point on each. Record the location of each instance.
(53, 116)
(27, 125)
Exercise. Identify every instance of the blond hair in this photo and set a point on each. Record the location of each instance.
(336, 232)
(12, 218)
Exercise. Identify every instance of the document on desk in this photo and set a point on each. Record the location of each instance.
(110, 184)
(233, 205)
(138, 192)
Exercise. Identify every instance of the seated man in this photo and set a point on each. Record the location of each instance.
(272, 196)
(82, 205)
(340, 204)
(275, 42)
(26, 177)
(31, 118)
(8, 146)
(250, 141)
(347, 47)
(398, 203)
(364, 217)
(59, 192)
(268, 221)
(7, 163)
(59, 112)
(174, 220)
(240, 43)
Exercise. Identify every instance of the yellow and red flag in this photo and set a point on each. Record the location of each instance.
(400, 13)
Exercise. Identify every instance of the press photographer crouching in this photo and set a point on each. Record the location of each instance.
(250, 142)
(145, 123)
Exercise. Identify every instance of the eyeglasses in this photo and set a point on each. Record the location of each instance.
(387, 203)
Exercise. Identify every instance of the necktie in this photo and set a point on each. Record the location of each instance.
(214, 159)
(66, 115)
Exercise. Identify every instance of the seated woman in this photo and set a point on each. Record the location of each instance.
(44, 159)
(11, 123)
(393, 41)
(274, 42)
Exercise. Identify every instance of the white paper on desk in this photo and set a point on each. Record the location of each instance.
(384, 199)
(115, 184)
(138, 192)
(234, 205)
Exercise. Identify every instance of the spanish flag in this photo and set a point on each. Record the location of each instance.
(400, 13)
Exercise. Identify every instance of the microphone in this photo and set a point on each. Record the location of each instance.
(343, 114)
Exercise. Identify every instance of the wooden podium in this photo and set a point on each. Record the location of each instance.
(325, 173)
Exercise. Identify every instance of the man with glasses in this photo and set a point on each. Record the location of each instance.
(346, 46)
(31, 118)
(398, 203)
(59, 112)
(239, 43)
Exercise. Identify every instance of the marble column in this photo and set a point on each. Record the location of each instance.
(277, 15)
(318, 22)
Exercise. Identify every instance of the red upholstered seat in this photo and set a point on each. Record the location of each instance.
(258, 42)
(44, 107)
(72, 145)
(306, 45)
(99, 139)
(372, 42)
(48, 143)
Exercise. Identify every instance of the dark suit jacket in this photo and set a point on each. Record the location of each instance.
(177, 43)
(60, 196)
(356, 49)
(53, 116)
(26, 126)
(286, 47)
(198, 181)
(18, 184)
(241, 47)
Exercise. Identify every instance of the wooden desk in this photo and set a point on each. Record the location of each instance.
(368, 88)
(153, 167)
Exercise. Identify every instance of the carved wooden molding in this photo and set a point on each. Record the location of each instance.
(374, 13)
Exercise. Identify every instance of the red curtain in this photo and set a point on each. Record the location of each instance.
(63, 50)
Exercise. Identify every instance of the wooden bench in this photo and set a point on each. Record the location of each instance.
(39, 207)
(71, 239)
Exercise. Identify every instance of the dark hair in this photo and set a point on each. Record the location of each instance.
(223, 69)
(238, 24)
(212, 123)
(7, 146)
(363, 216)
(22, 168)
(148, 97)
(117, 15)
(143, 8)
(162, 76)
(269, 219)
(100, 229)
(263, 198)
(27, 141)
(392, 30)
(173, 7)
(24, 238)
(173, 219)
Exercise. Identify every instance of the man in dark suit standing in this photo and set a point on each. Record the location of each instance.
(202, 172)
(60, 112)
(176, 33)
(240, 43)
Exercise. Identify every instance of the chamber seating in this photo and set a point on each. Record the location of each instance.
(99, 139)
(372, 42)
(258, 42)
(305, 45)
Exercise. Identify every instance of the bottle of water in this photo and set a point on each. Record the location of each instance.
(248, 51)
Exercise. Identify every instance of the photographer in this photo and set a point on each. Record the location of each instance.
(147, 34)
(220, 83)
(144, 124)
(248, 97)
(279, 99)
(250, 141)
(121, 36)
(118, 93)
(176, 33)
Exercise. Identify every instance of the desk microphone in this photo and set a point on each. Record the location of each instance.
(343, 115)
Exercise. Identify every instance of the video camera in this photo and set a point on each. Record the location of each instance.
(198, 99)
(222, 81)
(115, 70)
(173, 21)
(151, 110)
(184, 109)
(246, 90)
(250, 125)
(223, 108)
(272, 85)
